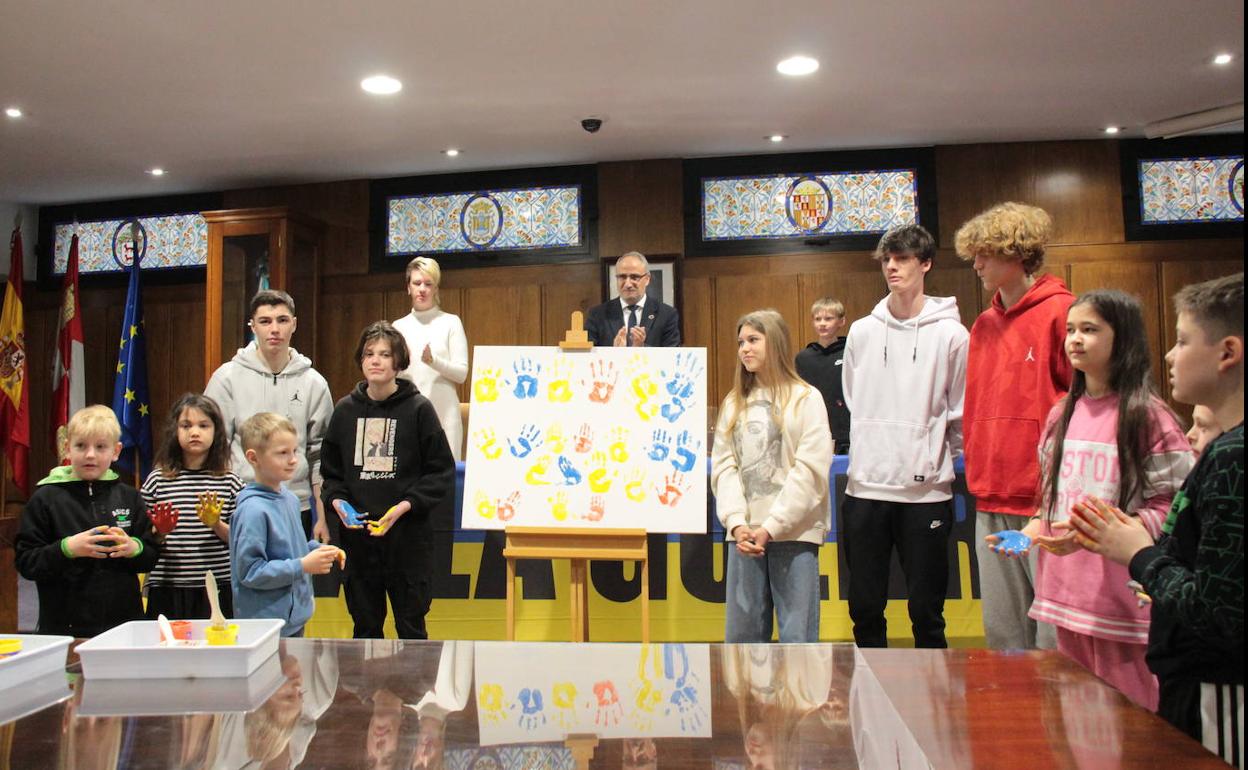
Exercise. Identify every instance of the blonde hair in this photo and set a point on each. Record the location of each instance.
(777, 372)
(95, 421)
(835, 306)
(429, 266)
(1007, 231)
(259, 429)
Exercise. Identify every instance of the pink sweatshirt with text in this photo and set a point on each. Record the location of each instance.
(1083, 592)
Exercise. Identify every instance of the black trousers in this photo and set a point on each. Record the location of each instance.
(178, 603)
(388, 567)
(920, 532)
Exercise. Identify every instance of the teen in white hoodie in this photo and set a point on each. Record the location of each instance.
(769, 475)
(904, 377)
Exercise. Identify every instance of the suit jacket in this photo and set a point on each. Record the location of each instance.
(661, 321)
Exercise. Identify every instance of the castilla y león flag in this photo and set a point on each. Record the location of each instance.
(68, 380)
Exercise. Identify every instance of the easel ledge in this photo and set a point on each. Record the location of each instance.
(579, 546)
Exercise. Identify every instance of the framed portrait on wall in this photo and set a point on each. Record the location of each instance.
(664, 279)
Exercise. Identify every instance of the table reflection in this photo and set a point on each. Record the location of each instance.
(497, 706)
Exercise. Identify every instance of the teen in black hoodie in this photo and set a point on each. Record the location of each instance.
(386, 455)
(821, 367)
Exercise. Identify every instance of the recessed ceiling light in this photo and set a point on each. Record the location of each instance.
(382, 85)
(776, 138)
(451, 152)
(1112, 129)
(1223, 59)
(156, 171)
(13, 112)
(797, 65)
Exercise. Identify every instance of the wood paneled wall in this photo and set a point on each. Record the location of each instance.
(640, 207)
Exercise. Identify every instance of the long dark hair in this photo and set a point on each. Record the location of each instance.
(169, 457)
(1130, 376)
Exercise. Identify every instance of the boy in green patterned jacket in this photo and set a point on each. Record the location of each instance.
(1194, 575)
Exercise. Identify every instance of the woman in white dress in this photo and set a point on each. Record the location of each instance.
(438, 346)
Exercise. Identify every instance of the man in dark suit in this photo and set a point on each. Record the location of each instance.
(633, 319)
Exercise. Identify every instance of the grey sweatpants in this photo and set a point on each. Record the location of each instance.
(1007, 588)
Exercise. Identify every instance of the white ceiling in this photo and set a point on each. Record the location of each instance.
(230, 94)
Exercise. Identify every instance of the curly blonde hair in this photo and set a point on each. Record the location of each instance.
(1007, 231)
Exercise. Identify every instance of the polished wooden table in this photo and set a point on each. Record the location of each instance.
(498, 705)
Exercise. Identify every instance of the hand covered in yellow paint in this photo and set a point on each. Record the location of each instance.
(208, 509)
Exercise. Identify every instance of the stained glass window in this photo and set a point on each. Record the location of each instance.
(1192, 190)
(796, 205)
(495, 220)
(179, 240)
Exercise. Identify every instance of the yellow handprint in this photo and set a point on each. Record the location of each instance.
(599, 479)
(485, 388)
(647, 697)
(487, 443)
(208, 509)
(555, 440)
(635, 489)
(485, 505)
(558, 506)
(560, 391)
(563, 696)
(537, 474)
(618, 448)
(644, 389)
(490, 703)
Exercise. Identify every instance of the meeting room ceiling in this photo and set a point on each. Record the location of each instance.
(233, 94)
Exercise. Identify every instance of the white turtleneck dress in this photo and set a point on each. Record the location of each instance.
(444, 334)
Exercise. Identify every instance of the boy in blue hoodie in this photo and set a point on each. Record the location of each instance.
(270, 557)
(84, 537)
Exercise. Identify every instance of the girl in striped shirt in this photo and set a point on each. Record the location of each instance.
(193, 476)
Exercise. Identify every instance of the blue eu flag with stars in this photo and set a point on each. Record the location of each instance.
(131, 399)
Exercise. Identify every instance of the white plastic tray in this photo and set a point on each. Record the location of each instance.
(133, 651)
(40, 655)
(162, 697)
(34, 695)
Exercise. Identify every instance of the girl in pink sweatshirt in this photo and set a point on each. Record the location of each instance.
(1113, 438)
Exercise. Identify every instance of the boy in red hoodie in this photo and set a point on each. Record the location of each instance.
(1016, 370)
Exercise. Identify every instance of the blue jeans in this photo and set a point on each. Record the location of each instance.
(786, 579)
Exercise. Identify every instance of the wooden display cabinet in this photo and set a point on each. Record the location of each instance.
(244, 245)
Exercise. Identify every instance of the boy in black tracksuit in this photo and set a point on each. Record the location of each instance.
(385, 454)
(820, 365)
(85, 537)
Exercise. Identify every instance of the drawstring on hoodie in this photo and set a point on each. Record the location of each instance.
(914, 353)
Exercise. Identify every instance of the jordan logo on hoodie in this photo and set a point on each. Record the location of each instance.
(1031, 356)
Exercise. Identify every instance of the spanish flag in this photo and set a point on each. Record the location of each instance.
(14, 397)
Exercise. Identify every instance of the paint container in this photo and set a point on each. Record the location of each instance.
(221, 637)
(181, 630)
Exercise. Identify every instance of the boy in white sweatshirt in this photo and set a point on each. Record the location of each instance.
(904, 376)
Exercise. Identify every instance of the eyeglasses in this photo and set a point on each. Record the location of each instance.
(626, 277)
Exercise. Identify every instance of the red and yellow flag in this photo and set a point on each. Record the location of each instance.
(14, 395)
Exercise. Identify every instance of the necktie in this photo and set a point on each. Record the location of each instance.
(632, 321)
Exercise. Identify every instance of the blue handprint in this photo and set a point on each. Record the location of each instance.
(529, 439)
(686, 452)
(672, 410)
(1011, 543)
(682, 378)
(659, 449)
(531, 715)
(526, 378)
(571, 476)
(684, 697)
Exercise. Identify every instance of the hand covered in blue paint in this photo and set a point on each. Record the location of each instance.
(351, 518)
(1009, 543)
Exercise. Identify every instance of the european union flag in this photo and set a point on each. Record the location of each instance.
(131, 400)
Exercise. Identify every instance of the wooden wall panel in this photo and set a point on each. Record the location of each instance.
(1140, 279)
(503, 315)
(640, 208)
(697, 315)
(1174, 276)
(559, 301)
(957, 280)
(858, 291)
(343, 317)
(736, 296)
(1078, 183)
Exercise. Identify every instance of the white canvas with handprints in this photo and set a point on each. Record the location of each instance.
(613, 437)
(609, 690)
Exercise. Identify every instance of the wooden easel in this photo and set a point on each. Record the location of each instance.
(578, 546)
